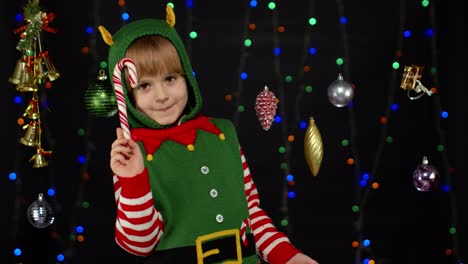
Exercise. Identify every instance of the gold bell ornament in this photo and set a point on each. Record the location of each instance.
(32, 110)
(313, 147)
(39, 158)
(39, 70)
(26, 83)
(50, 72)
(32, 135)
(20, 67)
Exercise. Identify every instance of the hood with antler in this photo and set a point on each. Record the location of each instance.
(119, 44)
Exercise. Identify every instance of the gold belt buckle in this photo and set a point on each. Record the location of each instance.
(230, 232)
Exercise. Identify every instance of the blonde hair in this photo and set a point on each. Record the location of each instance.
(153, 55)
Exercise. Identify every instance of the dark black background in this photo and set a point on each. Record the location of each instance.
(405, 226)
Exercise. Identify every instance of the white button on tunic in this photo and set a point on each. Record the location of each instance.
(205, 170)
(219, 218)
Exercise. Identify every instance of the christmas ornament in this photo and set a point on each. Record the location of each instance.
(313, 147)
(265, 107)
(26, 81)
(340, 92)
(99, 98)
(32, 110)
(32, 134)
(425, 176)
(40, 214)
(39, 158)
(20, 69)
(33, 68)
(45, 69)
(410, 82)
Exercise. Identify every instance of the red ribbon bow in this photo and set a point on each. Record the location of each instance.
(46, 19)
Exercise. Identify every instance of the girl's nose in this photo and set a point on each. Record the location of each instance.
(160, 94)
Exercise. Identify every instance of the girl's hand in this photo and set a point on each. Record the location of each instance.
(126, 159)
(301, 259)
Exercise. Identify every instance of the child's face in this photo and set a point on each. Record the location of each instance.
(161, 97)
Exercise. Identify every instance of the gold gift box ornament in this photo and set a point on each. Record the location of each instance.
(411, 82)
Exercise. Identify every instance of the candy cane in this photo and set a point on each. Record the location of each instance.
(119, 92)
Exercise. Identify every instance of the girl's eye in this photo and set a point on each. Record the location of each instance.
(171, 78)
(143, 86)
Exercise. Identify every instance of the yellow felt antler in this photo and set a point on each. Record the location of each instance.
(106, 36)
(170, 16)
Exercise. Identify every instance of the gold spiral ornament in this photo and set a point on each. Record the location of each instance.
(313, 147)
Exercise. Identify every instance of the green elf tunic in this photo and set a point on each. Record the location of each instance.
(196, 177)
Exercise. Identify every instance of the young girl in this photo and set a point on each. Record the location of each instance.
(183, 188)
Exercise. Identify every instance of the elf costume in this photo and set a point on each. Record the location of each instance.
(195, 201)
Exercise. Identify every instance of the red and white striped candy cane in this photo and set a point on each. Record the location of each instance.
(119, 92)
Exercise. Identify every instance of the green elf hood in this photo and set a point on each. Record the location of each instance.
(118, 46)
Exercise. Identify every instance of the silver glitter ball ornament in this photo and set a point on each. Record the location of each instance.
(40, 214)
(340, 92)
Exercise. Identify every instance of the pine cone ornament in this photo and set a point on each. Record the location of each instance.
(265, 106)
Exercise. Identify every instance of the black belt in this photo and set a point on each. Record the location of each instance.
(225, 245)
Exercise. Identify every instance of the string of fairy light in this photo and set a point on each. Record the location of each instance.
(285, 147)
(353, 160)
(440, 115)
(77, 230)
(189, 25)
(343, 64)
(247, 42)
(304, 87)
(288, 129)
(363, 191)
(363, 249)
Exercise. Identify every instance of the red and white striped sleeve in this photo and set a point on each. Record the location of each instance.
(138, 225)
(274, 246)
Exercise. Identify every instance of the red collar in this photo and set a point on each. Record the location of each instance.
(184, 133)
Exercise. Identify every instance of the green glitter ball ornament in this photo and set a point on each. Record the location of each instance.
(99, 98)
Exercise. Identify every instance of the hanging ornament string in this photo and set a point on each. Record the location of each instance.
(119, 92)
